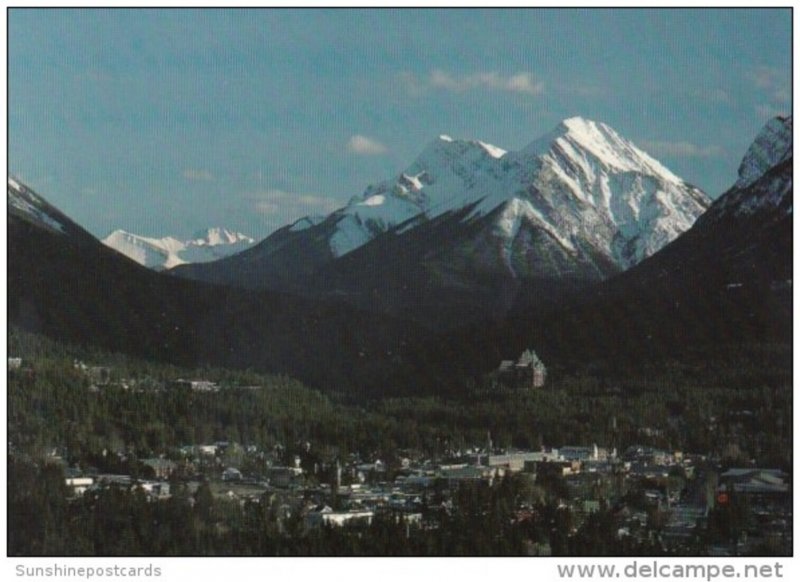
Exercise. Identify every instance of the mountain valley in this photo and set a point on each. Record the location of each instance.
(456, 235)
(442, 320)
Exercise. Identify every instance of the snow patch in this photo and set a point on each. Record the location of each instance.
(599, 144)
(25, 201)
(375, 200)
(493, 151)
(218, 236)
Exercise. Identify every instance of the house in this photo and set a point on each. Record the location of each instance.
(162, 468)
(506, 368)
(196, 385)
(366, 468)
(14, 363)
(646, 455)
(557, 468)
(115, 480)
(766, 490)
(579, 453)
(327, 516)
(513, 461)
(155, 489)
(454, 475)
(231, 474)
(415, 481)
(79, 485)
(283, 476)
(527, 372)
(206, 450)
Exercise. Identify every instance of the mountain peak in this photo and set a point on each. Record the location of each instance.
(447, 147)
(582, 203)
(219, 236)
(167, 252)
(582, 125)
(580, 181)
(588, 144)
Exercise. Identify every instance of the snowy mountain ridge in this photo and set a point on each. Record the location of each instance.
(168, 252)
(580, 183)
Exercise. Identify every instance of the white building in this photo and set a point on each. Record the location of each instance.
(79, 485)
(327, 516)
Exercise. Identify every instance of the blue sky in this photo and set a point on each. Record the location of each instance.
(169, 121)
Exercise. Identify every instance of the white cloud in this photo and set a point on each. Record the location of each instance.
(775, 84)
(409, 83)
(524, 83)
(442, 80)
(518, 83)
(769, 77)
(521, 82)
(290, 205)
(681, 149)
(365, 146)
(198, 175)
(775, 90)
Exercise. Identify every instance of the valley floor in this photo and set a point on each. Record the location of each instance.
(109, 455)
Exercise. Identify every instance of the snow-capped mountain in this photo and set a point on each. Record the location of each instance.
(617, 186)
(168, 252)
(581, 202)
(745, 238)
(727, 281)
(580, 184)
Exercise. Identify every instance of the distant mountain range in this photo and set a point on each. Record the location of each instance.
(467, 221)
(168, 252)
(726, 279)
(66, 284)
